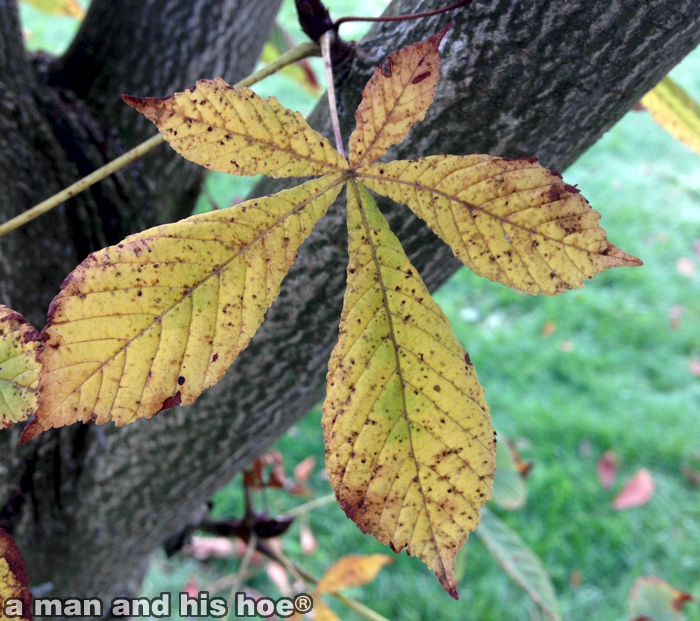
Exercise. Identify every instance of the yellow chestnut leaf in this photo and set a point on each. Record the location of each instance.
(234, 131)
(396, 97)
(507, 219)
(410, 448)
(19, 369)
(352, 570)
(676, 111)
(154, 321)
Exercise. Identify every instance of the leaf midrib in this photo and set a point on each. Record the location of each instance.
(481, 210)
(387, 308)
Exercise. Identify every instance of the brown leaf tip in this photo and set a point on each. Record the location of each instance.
(453, 594)
(136, 102)
(30, 432)
(171, 402)
(437, 38)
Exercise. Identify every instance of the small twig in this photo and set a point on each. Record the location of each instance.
(398, 18)
(300, 52)
(326, 41)
(310, 506)
(295, 570)
(240, 574)
(219, 585)
(290, 567)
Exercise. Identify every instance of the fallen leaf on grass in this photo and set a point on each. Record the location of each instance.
(549, 328)
(685, 266)
(303, 470)
(278, 576)
(674, 316)
(203, 548)
(694, 367)
(691, 474)
(636, 492)
(308, 542)
(352, 570)
(607, 469)
(654, 599)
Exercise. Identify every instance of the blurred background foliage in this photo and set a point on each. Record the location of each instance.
(614, 366)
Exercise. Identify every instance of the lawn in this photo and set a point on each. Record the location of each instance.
(615, 373)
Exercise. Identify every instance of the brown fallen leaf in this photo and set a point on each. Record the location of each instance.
(607, 469)
(636, 492)
(549, 328)
(674, 316)
(655, 599)
(691, 474)
(203, 548)
(685, 266)
(278, 576)
(694, 367)
(308, 542)
(352, 570)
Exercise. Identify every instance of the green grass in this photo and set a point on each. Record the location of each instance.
(625, 385)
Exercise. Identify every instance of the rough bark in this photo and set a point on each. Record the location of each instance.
(520, 77)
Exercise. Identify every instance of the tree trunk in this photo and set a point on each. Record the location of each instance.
(520, 77)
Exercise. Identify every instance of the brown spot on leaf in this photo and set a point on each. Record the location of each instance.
(419, 78)
(386, 67)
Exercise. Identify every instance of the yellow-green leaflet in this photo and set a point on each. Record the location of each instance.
(19, 369)
(154, 321)
(409, 444)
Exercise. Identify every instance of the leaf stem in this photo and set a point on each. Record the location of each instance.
(398, 18)
(304, 50)
(326, 40)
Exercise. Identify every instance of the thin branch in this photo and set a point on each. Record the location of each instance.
(304, 50)
(245, 561)
(310, 506)
(326, 41)
(398, 18)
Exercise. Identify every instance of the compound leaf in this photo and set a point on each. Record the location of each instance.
(509, 220)
(676, 111)
(152, 322)
(409, 443)
(19, 369)
(14, 582)
(234, 131)
(396, 97)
